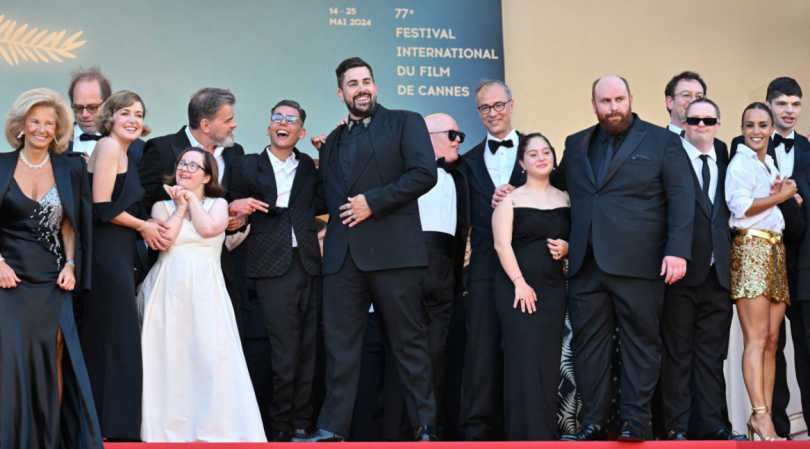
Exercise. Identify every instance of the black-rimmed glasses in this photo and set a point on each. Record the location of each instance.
(192, 167)
(497, 106)
(452, 134)
(91, 108)
(291, 119)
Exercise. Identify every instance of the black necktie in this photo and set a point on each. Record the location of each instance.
(707, 179)
(494, 144)
(683, 133)
(86, 137)
(778, 140)
(606, 161)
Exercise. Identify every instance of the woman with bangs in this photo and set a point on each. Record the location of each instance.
(111, 334)
(45, 242)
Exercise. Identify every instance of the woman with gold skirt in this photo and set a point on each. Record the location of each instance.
(754, 190)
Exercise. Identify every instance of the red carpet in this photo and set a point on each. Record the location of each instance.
(466, 445)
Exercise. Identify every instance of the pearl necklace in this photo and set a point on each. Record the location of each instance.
(35, 167)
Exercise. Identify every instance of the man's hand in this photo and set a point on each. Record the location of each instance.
(246, 206)
(674, 267)
(356, 210)
(500, 194)
(318, 141)
(236, 221)
(798, 199)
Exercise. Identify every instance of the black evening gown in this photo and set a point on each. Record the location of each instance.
(31, 315)
(532, 344)
(111, 338)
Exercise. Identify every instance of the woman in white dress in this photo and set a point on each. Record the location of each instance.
(196, 383)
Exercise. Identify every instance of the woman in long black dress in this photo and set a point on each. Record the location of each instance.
(530, 229)
(45, 213)
(111, 337)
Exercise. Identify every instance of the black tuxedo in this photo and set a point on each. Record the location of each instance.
(286, 278)
(621, 230)
(381, 260)
(159, 156)
(481, 399)
(696, 319)
(781, 392)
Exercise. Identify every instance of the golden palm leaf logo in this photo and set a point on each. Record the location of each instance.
(34, 45)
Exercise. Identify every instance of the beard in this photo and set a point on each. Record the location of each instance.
(364, 110)
(612, 128)
(225, 141)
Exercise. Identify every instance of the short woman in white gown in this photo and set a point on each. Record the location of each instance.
(196, 385)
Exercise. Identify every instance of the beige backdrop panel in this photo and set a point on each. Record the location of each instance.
(554, 50)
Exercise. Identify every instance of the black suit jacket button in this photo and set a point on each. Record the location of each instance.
(596, 195)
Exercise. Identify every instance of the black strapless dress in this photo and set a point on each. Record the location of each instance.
(31, 315)
(532, 344)
(111, 337)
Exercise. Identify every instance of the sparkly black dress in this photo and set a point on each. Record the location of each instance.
(111, 337)
(31, 315)
(532, 343)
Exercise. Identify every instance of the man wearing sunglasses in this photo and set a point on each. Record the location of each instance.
(285, 259)
(696, 319)
(444, 212)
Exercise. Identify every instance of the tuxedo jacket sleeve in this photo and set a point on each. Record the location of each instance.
(420, 168)
(680, 192)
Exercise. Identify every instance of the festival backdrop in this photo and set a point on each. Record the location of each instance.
(426, 57)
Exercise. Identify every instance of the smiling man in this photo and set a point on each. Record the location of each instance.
(372, 172)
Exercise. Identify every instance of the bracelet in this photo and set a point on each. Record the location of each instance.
(143, 226)
(71, 263)
(2, 259)
(515, 279)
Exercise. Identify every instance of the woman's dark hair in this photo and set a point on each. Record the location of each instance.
(320, 225)
(760, 106)
(212, 189)
(524, 143)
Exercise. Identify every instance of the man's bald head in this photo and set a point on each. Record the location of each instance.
(608, 81)
(443, 147)
(612, 103)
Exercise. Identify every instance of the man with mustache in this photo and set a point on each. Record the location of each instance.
(791, 155)
(373, 170)
(632, 212)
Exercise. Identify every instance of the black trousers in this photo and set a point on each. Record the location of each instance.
(599, 303)
(481, 412)
(695, 327)
(289, 304)
(454, 369)
(799, 315)
(437, 300)
(396, 294)
(367, 405)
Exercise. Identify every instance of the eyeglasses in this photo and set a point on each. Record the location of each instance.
(695, 121)
(91, 108)
(689, 96)
(452, 134)
(497, 106)
(192, 167)
(291, 119)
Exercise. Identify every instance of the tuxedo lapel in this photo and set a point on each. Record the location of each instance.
(699, 196)
(629, 145)
(772, 152)
(518, 177)
(301, 173)
(480, 172)
(228, 156)
(583, 154)
(720, 191)
(267, 176)
(61, 173)
(326, 154)
(379, 137)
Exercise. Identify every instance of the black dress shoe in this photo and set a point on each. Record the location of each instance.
(280, 436)
(590, 432)
(299, 433)
(724, 434)
(677, 435)
(632, 432)
(423, 433)
(320, 436)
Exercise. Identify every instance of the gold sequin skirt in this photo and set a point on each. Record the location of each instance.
(758, 268)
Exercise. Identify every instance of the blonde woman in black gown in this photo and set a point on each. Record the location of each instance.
(531, 228)
(45, 210)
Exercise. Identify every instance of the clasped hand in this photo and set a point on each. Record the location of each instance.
(785, 187)
(356, 209)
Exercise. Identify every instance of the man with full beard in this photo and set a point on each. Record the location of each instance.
(373, 170)
(632, 211)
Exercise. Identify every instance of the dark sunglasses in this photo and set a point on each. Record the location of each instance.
(452, 134)
(291, 119)
(695, 121)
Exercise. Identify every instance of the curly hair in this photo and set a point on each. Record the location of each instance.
(116, 102)
(15, 123)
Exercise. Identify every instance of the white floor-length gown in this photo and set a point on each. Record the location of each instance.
(196, 385)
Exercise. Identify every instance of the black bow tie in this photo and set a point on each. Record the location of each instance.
(87, 137)
(494, 144)
(778, 140)
(446, 166)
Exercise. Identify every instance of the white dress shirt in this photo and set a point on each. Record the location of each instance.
(747, 179)
(437, 208)
(675, 129)
(78, 145)
(285, 174)
(217, 153)
(784, 158)
(501, 164)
